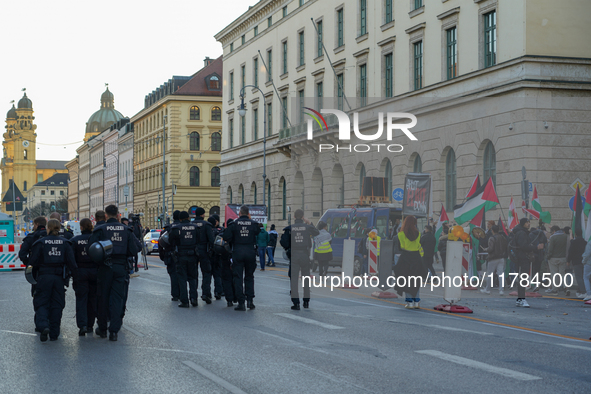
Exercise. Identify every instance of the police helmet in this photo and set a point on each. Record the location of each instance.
(29, 275)
(164, 239)
(100, 251)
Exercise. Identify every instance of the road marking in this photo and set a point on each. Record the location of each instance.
(478, 365)
(131, 330)
(575, 346)
(18, 332)
(440, 327)
(310, 321)
(214, 378)
(330, 377)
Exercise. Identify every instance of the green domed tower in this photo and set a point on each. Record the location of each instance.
(104, 117)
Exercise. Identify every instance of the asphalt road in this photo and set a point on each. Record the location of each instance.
(347, 342)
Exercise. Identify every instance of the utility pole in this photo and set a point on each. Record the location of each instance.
(163, 167)
(13, 205)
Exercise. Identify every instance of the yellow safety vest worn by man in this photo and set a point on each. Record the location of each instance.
(373, 236)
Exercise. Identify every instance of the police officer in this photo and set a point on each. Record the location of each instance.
(100, 218)
(165, 253)
(138, 231)
(205, 244)
(63, 232)
(225, 258)
(24, 253)
(111, 276)
(51, 255)
(242, 233)
(301, 234)
(85, 285)
(214, 258)
(184, 238)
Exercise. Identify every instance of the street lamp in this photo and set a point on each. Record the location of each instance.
(242, 113)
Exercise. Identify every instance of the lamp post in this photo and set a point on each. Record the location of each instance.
(163, 168)
(242, 112)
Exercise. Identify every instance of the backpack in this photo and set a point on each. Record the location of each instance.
(285, 240)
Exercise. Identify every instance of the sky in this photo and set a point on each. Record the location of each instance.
(63, 52)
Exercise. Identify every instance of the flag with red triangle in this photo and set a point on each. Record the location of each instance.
(474, 187)
(578, 216)
(537, 207)
(484, 199)
(501, 225)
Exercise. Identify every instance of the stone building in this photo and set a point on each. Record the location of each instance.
(495, 85)
(191, 110)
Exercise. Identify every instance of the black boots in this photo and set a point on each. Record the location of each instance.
(206, 299)
(296, 304)
(194, 302)
(306, 303)
(44, 335)
(83, 331)
(112, 336)
(250, 305)
(240, 307)
(230, 304)
(184, 305)
(100, 333)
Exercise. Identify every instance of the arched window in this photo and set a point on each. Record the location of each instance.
(216, 142)
(194, 141)
(215, 177)
(388, 175)
(284, 199)
(417, 165)
(490, 163)
(450, 180)
(241, 191)
(253, 192)
(215, 210)
(216, 113)
(25, 186)
(361, 178)
(194, 113)
(194, 178)
(229, 195)
(25, 154)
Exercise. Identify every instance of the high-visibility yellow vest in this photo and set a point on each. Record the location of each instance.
(324, 247)
(412, 246)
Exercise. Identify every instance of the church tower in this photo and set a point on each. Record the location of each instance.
(104, 117)
(18, 160)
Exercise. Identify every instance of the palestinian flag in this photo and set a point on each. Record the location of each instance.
(513, 218)
(475, 186)
(483, 199)
(439, 228)
(537, 207)
(578, 216)
(501, 225)
(587, 211)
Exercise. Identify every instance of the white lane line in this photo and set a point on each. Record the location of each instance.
(174, 351)
(440, 327)
(131, 330)
(310, 321)
(18, 332)
(330, 377)
(214, 378)
(575, 346)
(478, 365)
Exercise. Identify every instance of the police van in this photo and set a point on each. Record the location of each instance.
(350, 223)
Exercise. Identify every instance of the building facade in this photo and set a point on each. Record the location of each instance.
(111, 166)
(48, 196)
(190, 108)
(489, 82)
(73, 201)
(126, 169)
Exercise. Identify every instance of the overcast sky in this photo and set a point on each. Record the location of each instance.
(64, 51)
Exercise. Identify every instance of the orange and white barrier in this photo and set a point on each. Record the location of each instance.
(373, 257)
(9, 257)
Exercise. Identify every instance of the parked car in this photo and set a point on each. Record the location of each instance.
(151, 241)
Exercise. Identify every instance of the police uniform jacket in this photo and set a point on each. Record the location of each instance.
(184, 238)
(242, 233)
(124, 242)
(51, 253)
(25, 251)
(205, 234)
(80, 244)
(301, 236)
(65, 233)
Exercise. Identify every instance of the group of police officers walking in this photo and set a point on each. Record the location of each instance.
(100, 261)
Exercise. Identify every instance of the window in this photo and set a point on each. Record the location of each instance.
(301, 3)
(284, 11)
(256, 31)
(418, 65)
(270, 65)
(452, 53)
(319, 42)
(301, 105)
(214, 82)
(269, 21)
(42, 192)
(490, 39)
(229, 195)
(319, 94)
(216, 142)
(363, 84)
(302, 55)
(231, 133)
(232, 86)
(340, 27)
(284, 112)
(340, 87)
(361, 179)
(241, 188)
(253, 190)
(216, 113)
(243, 39)
(284, 57)
(284, 200)
(243, 130)
(25, 186)
(242, 78)
(231, 47)
(61, 192)
(194, 141)
(215, 177)
(490, 163)
(269, 119)
(255, 115)
(450, 180)
(418, 4)
(194, 176)
(194, 113)
(362, 17)
(255, 67)
(25, 154)
(417, 165)
(389, 75)
(389, 13)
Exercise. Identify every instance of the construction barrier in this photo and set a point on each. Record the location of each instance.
(373, 257)
(9, 257)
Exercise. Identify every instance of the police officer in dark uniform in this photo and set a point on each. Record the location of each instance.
(216, 267)
(301, 234)
(63, 232)
(225, 258)
(205, 244)
(112, 275)
(85, 285)
(138, 231)
(184, 238)
(165, 253)
(100, 218)
(51, 255)
(24, 253)
(242, 234)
